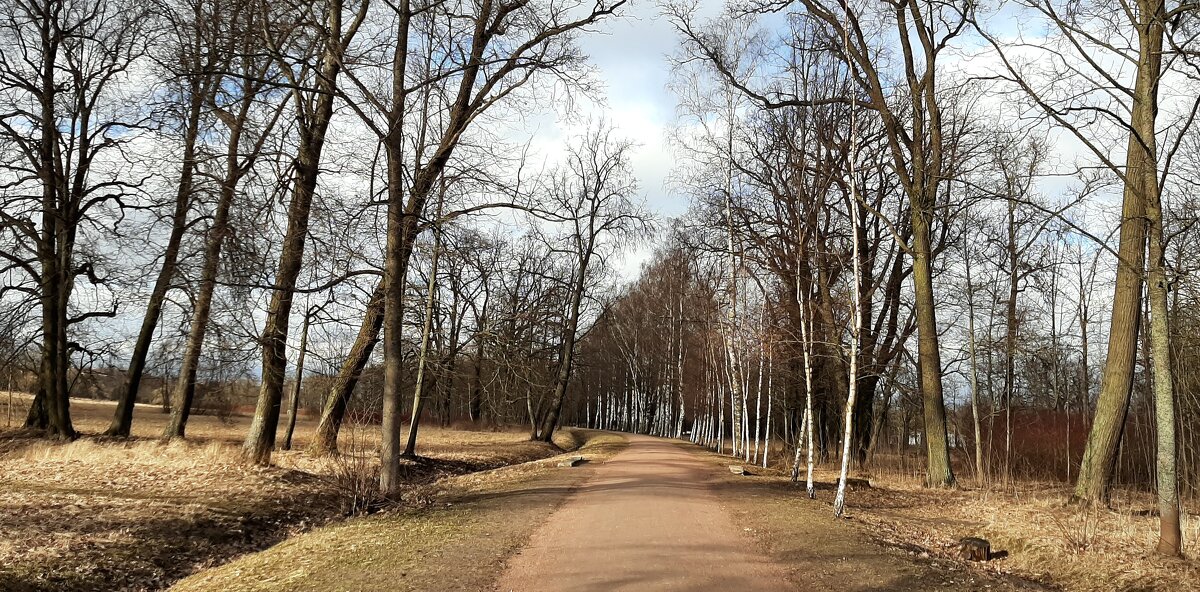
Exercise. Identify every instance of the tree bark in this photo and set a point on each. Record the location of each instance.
(122, 420)
(338, 399)
(939, 473)
(1170, 541)
(185, 386)
(260, 441)
(566, 355)
(1116, 383)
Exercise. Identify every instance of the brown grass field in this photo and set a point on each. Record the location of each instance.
(99, 514)
(1048, 541)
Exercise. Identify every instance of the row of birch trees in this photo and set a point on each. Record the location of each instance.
(920, 222)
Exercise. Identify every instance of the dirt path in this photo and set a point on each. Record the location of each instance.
(647, 520)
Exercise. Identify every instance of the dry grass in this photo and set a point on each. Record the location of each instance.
(103, 514)
(1076, 548)
(458, 543)
(826, 553)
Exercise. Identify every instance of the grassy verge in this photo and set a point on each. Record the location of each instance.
(1048, 543)
(825, 553)
(140, 514)
(458, 542)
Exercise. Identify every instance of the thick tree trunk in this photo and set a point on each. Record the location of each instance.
(338, 399)
(1116, 383)
(938, 471)
(261, 439)
(54, 254)
(864, 410)
(1170, 540)
(566, 355)
(36, 417)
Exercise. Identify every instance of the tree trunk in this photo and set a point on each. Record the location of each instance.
(295, 406)
(418, 403)
(261, 439)
(1170, 541)
(475, 405)
(1116, 383)
(566, 357)
(1010, 338)
(980, 470)
(338, 399)
(54, 254)
(939, 473)
(185, 386)
(122, 420)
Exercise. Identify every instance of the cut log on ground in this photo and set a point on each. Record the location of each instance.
(571, 461)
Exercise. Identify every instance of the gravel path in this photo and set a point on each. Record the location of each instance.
(647, 520)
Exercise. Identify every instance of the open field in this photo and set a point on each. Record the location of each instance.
(139, 515)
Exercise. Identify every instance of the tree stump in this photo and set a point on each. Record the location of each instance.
(975, 549)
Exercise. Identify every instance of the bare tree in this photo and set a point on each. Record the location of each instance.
(192, 64)
(334, 25)
(592, 198)
(60, 67)
(248, 125)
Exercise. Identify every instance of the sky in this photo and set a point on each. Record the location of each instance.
(630, 56)
(630, 59)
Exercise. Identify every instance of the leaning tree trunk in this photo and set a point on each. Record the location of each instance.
(839, 501)
(123, 417)
(295, 406)
(261, 439)
(418, 403)
(1116, 383)
(566, 357)
(185, 386)
(338, 399)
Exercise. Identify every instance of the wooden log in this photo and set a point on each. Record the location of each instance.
(570, 461)
(975, 549)
(738, 470)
